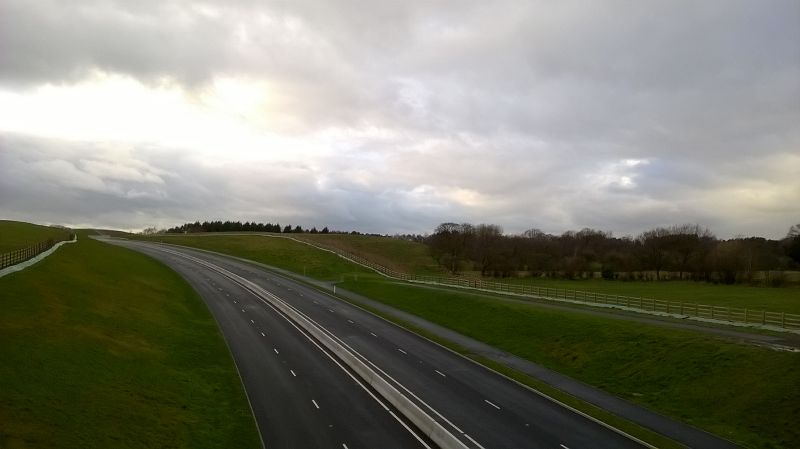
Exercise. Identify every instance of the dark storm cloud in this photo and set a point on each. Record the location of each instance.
(615, 115)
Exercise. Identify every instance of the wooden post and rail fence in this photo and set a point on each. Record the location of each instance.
(21, 255)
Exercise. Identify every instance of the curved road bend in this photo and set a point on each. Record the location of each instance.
(483, 409)
(300, 396)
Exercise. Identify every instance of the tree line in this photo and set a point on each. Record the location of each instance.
(238, 226)
(686, 251)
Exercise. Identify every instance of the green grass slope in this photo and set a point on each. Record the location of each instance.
(104, 347)
(17, 234)
(748, 394)
(400, 255)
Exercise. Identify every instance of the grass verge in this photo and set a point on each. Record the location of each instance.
(104, 347)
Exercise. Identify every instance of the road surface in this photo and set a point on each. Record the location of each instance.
(301, 397)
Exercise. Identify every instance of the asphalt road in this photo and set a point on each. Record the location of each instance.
(302, 398)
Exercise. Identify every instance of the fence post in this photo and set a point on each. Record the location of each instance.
(745, 316)
(783, 319)
(763, 317)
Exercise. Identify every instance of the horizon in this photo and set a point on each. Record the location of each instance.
(429, 232)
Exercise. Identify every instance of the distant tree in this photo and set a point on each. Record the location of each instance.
(314, 230)
(149, 231)
(687, 243)
(449, 244)
(325, 230)
(791, 243)
(297, 230)
(485, 248)
(653, 246)
(287, 229)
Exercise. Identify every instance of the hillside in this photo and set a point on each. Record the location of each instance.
(394, 253)
(18, 234)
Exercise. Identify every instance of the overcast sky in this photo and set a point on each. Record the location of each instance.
(394, 116)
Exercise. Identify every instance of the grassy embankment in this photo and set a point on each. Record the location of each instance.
(17, 235)
(748, 394)
(396, 254)
(104, 347)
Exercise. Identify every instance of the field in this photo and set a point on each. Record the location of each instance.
(748, 394)
(103, 347)
(16, 235)
(784, 299)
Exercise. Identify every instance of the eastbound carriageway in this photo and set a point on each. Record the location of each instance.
(320, 372)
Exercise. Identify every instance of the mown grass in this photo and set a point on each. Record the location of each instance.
(747, 394)
(104, 347)
(17, 234)
(785, 299)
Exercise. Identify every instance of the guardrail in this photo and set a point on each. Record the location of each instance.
(21, 255)
(733, 315)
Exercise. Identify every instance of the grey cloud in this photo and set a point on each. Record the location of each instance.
(530, 106)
